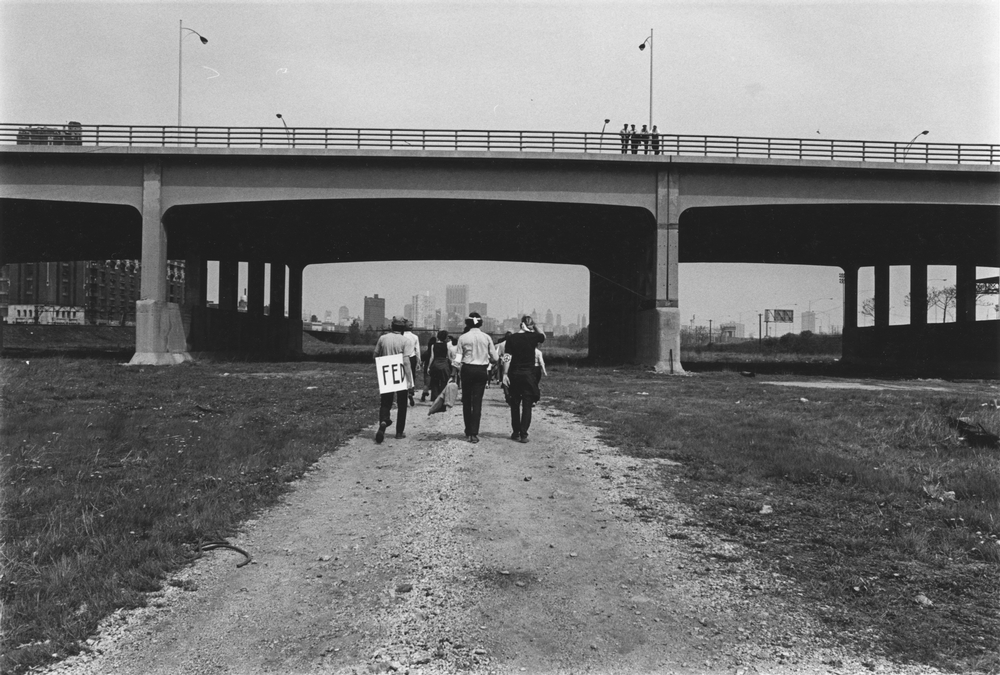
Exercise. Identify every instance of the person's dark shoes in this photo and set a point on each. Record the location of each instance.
(523, 438)
(515, 436)
(423, 397)
(400, 435)
(473, 439)
(380, 434)
(412, 402)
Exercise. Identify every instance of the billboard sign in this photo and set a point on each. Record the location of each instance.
(784, 315)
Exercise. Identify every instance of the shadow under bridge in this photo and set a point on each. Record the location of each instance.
(616, 243)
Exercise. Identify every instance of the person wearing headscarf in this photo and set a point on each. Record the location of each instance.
(478, 351)
(520, 378)
(388, 344)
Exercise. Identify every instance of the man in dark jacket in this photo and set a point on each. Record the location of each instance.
(519, 376)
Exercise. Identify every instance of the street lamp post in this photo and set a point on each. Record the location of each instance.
(287, 137)
(606, 120)
(642, 47)
(180, 63)
(907, 148)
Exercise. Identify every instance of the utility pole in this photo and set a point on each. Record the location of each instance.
(760, 329)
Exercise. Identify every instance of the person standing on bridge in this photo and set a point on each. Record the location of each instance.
(519, 376)
(624, 135)
(654, 137)
(478, 351)
(644, 137)
(387, 345)
(634, 137)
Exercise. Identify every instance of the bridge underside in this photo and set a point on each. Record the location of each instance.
(842, 235)
(617, 244)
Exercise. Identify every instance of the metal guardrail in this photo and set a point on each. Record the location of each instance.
(498, 141)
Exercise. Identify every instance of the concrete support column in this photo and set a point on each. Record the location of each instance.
(881, 296)
(195, 293)
(965, 293)
(277, 304)
(255, 288)
(229, 284)
(159, 327)
(294, 343)
(850, 298)
(659, 327)
(918, 295)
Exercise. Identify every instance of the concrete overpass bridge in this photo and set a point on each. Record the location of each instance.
(296, 197)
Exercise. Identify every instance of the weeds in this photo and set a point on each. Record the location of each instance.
(110, 475)
(875, 499)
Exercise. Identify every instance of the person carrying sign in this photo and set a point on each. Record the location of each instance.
(393, 344)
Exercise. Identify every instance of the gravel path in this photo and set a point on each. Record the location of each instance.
(431, 555)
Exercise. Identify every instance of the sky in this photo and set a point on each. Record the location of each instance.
(875, 70)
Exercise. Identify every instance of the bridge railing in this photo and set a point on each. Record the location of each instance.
(498, 141)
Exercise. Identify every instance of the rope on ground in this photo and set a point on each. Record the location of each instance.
(221, 543)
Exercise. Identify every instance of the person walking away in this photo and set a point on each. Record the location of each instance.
(455, 355)
(520, 376)
(388, 344)
(478, 351)
(413, 354)
(426, 364)
(655, 138)
(539, 370)
(623, 134)
(439, 366)
(634, 137)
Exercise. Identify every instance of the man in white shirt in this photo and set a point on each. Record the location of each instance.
(478, 351)
(413, 354)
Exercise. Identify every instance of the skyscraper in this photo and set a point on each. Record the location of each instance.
(477, 307)
(809, 321)
(344, 316)
(374, 316)
(456, 305)
(423, 310)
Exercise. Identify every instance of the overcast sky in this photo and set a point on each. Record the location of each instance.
(836, 70)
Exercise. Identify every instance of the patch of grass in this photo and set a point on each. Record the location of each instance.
(112, 474)
(873, 498)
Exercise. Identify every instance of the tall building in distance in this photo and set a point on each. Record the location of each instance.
(809, 321)
(423, 310)
(374, 316)
(477, 307)
(456, 306)
(344, 316)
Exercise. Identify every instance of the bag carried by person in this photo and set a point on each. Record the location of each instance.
(446, 399)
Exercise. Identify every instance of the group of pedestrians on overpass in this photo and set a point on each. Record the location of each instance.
(648, 139)
(468, 360)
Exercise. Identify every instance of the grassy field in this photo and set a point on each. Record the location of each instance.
(875, 503)
(112, 475)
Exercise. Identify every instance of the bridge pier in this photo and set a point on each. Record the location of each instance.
(659, 342)
(159, 328)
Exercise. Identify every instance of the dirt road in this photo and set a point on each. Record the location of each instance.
(433, 555)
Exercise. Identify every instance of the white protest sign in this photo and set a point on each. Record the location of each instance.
(391, 373)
